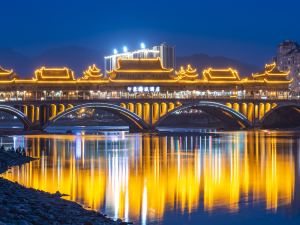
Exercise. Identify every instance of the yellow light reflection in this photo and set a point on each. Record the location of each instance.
(145, 176)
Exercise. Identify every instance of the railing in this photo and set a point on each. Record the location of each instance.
(110, 96)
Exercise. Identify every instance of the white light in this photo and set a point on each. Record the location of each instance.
(140, 89)
(134, 89)
(125, 49)
(152, 89)
(157, 89)
(129, 89)
(115, 51)
(143, 46)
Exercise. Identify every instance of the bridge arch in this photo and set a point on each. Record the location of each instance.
(17, 113)
(282, 116)
(219, 110)
(135, 122)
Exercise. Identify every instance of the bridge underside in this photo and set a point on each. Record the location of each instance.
(282, 117)
(13, 118)
(93, 114)
(205, 115)
(149, 116)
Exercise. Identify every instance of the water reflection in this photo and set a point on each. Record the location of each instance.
(145, 178)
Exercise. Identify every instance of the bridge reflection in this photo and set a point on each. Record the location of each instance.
(141, 178)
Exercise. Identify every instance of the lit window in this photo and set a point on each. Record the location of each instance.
(140, 89)
(157, 89)
(152, 89)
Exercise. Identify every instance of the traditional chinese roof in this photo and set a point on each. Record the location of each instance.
(140, 69)
(228, 74)
(54, 74)
(92, 73)
(6, 74)
(189, 73)
(271, 73)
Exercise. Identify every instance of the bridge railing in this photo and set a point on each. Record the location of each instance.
(123, 95)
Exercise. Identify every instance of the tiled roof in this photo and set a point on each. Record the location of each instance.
(53, 74)
(271, 73)
(4, 71)
(7, 74)
(138, 65)
(221, 74)
(188, 73)
(93, 72)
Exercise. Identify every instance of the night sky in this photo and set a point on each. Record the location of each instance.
(244, 30)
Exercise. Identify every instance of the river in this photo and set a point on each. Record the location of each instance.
(213, 178)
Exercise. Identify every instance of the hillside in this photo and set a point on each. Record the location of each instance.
(79, 58)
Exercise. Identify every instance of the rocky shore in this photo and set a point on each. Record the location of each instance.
(25, 206)
(11, 158)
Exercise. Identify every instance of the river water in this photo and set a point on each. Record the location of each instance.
(213, 178)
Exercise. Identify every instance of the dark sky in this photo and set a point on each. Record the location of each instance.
(248, 30)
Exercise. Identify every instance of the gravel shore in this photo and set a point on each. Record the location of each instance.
(10, 158)
(25, 206)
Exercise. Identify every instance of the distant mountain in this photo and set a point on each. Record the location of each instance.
(76, 58)
(11, 59)
(203, 61)
(79, 58)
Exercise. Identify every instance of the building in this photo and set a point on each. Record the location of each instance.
(164, 52)
(188, 73)
(221, 75)
(145, 78)
(92, 73)
(140, 69)
(167, 55)
(7, 74)
(271, 74)
(54, 74)
(288, 59)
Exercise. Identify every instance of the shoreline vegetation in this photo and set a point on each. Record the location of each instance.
(26, 206)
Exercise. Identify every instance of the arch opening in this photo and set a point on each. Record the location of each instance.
(12, 118)
(206, 115)
(97, 116)
(282, 117)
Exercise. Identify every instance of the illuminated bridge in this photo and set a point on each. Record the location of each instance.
(145, 115)
(145, 96)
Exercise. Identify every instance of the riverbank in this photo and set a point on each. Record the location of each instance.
(11, 158)
(26, 206)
